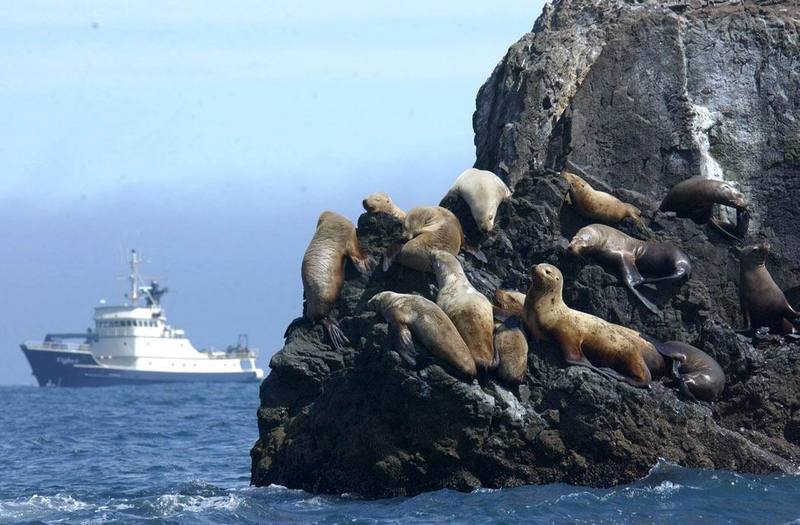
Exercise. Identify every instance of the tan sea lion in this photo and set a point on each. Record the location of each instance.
(511, 345)
(763, 303)
(597, 205)
(662, 261)
(412, 315)
(426, 228)
(381, 203)
(510, 339)
(322, 270)
(585, 340)
(470, 311)
(698, 374)
(483, 191)
(695, 198)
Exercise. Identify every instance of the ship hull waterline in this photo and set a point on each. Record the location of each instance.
(79, 369)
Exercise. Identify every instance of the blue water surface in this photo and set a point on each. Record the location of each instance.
(179, 454)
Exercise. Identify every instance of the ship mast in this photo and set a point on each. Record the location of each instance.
(134, 278)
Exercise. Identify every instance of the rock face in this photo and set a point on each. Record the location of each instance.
(642, 95)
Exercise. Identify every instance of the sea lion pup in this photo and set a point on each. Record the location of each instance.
(470, 311)
(412, 315)
(585, 340)
(698, 374)
(426, 228)
(381, 203)
(323, 270)
(662, 261)
(695, 198)
(763, 303)
(510, 340)
(483, 191)
(597, 205)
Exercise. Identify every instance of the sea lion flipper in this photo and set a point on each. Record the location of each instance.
(405, 344)
(684, 387)
(723, 231)
(475, 252)
(390, 255)
(742, 222)
(632, 278)
(335, 334)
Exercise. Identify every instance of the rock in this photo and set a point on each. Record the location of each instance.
(641, 95)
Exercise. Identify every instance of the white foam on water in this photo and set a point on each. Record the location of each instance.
(174, 504)
(36, 505)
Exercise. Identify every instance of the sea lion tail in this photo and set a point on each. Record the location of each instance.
(665, 349)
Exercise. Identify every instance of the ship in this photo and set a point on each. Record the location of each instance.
(133, 344)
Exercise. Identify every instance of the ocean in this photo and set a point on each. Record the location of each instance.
(180, 454)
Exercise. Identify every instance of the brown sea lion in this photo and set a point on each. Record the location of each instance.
(585, 340)
(763, 303)
(511, 345)
(695, 198)
(597, 205)
(412, 315)
(661, 261)
(483, 191)
(322, 270)
(426, 228)
(470, 311)
(381, 203)
(698, 374)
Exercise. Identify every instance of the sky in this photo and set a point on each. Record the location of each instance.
(209, 136)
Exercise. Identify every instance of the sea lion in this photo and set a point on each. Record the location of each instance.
(426, 228)
(695, 198)
(662, 261)
(483, 191)
(511, 345)
(510, 340)
(412, 315)
(381, 203)
(762, 302)
(698, 374)
(585, 340)
(470, 311)
(322, 270)
(597, 205)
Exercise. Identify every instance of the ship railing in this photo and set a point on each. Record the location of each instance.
(235, 353)
(66, 347)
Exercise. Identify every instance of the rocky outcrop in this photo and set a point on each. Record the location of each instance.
(642, 95)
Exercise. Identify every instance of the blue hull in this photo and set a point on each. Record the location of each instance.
(55, 368)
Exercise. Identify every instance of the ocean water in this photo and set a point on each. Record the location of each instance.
(179, 454)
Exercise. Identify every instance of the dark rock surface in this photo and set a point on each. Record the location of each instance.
(615, 87)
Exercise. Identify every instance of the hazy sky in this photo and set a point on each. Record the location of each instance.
(210, 135)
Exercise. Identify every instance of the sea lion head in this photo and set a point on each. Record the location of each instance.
(547, 279)
(755, 254)
(378, 203)
(416, 222)
(507, 303)
(731, 196)
(380, 301)
(586, 240)
(571, 178)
